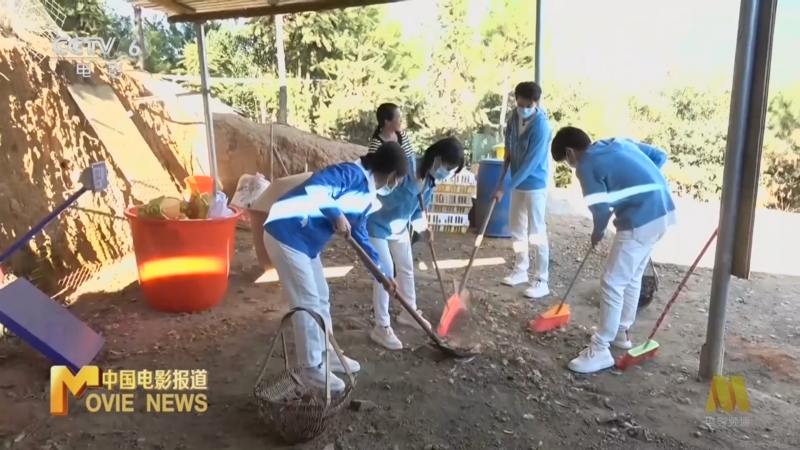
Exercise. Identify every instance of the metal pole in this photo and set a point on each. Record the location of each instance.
(751, 164)
(537, 77)
(206, 93)
(712, 352)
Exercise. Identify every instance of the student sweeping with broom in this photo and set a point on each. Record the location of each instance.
(623, 178)
(336, 199)
(388, 232)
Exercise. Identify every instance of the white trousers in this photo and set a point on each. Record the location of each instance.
(304, 285)
(621, 282)
(394, 253)
(528, 228)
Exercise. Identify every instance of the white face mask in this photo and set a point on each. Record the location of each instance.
(387, 189)
(525, 113)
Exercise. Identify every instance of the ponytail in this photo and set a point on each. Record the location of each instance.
(377, 132)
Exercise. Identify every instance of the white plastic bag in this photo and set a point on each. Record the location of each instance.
(249, 188)
(219, 207)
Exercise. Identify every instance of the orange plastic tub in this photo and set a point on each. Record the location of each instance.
(202, 183)
(183, 264)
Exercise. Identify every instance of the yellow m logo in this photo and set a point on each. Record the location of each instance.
(62, 381)
(727, 395)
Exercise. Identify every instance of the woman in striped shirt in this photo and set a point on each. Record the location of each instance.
(389, 122)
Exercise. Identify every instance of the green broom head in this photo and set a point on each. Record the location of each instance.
(648, 347)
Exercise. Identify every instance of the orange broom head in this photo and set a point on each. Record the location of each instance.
(454, 304)
(637, 354)
(553, 318)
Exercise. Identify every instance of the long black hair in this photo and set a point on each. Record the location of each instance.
(449, 150)
(388, 158)
(384, 113)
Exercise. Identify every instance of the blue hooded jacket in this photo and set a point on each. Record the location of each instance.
(530, 165)
(401, 207)
(623, 178)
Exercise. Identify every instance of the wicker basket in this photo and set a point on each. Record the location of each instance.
(649, 287)
(288, 403)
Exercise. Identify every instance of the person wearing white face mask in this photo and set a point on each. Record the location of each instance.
(388, 232)
(528, 135)
(336, 199)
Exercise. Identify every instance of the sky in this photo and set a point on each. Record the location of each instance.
(631, 42)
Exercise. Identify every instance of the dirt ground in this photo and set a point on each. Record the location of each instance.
(517, 394)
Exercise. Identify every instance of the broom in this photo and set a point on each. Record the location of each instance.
(558, 315)
(455, 303)
(649, 349)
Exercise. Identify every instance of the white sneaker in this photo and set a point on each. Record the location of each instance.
(385, 337)
(592, 359)
(622, 341)
(316, 376)
(336, 364)
(405, 318)
(516, 277)
(538, 289)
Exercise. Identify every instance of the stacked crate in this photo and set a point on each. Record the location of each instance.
(452, 200)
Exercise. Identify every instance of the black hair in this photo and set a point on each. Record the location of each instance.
(384, 113)
(388, 158)
(528, 90)
(571, 137)
(448, 149)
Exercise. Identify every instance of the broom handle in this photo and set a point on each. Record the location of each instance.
(479, 239)
(574, 279)
(373, 269)
(681, 285)
(433, 252)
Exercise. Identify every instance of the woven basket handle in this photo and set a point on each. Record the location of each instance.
(330, 341)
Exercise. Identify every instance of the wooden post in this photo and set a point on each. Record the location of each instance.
(262, 105)
(137, 15)
(282, 93)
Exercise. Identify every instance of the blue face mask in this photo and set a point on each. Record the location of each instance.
(525, 113)
(441, 174)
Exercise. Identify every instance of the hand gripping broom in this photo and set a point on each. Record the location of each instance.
(649, 349)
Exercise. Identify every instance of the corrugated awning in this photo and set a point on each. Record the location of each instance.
(204, 10)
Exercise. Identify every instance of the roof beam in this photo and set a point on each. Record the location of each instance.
(174, 6)
(267, 10)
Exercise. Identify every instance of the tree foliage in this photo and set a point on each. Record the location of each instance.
(455, 79)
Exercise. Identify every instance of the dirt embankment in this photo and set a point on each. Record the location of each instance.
(243, 147)
(45, 141)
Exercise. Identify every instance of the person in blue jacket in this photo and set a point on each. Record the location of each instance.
(336, 199)
(527, 138)
(622, 178)
(388, 232)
